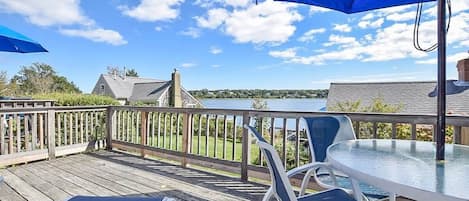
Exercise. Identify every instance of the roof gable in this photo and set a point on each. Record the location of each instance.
(122, 87)
(149, 91)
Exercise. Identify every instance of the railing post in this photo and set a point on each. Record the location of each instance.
(110, 129)
(51, 133)
(143, 132)
(186, 137)
(246, 148)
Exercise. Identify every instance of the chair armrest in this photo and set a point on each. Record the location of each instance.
(307, 167)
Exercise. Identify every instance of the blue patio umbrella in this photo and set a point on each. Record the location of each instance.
(11, 41)
(355, 6)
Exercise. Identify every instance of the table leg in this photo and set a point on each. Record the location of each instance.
(356, 190)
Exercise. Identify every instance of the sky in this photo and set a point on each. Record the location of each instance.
(232, 44)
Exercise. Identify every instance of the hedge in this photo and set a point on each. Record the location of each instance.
(72, 99)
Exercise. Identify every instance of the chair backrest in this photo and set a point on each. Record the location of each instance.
(280, 183)
(322, 131)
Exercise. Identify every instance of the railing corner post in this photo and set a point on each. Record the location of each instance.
(51, 133)
(246, 148)
(110, 129)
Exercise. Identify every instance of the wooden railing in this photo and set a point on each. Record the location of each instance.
(205, 137)
(215, 137)
(29, 134)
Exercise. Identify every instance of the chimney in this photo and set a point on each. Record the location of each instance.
(463, 70)
(124, 75)
(175, 99)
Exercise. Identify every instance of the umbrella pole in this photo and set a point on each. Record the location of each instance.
(441, 102)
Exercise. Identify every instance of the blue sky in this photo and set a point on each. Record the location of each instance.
(218, 44)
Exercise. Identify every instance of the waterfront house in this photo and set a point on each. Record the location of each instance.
(136, 90)
(417, 97)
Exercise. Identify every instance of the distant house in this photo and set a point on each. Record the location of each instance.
(130, 90)
(415, 97)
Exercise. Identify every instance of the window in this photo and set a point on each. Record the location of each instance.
(101, 87)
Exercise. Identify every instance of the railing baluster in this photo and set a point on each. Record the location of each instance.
(10, 135)
(216, 137)
(375, 130)
(178, 123)
(118, 122)
(207, 133)
(34, 131)
(153, 129)
(18, 133)
(27, 139)
(41, 131)
(191, 134)
(284, 143)
(199, 134)
(171, 130)
(165, 129)
(261, 129)
(233, 153)
(393, 131)
(297, 144)
(70, 138)
(92, 133)
(2, 134)
(76, 128)
(225, 132)
(58, 128)
(457, 135)
(159, 130)
(413, 131)
(86, 127)
(272, 131)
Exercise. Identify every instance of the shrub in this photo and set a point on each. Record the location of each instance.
(73, 99)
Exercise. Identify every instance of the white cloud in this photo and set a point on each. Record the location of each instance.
(158, 28)
(237, 3)
(153, 10)
(343, 41)
(97, 35)
(188, 65)
(401, 16)
(47, 12)
(369, 24)
(215, 50)
(309, 35)
(62, 13)
(216, 66)
(215, 18)
(268, 22)
(286, 54)
(192, 32)
(316, 9)
(342, 27)
(368, 16)
(449, 59)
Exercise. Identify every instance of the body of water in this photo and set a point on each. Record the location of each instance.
(302, 105)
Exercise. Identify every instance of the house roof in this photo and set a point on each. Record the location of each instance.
(149, 91)
(415, 97)
(123, 87)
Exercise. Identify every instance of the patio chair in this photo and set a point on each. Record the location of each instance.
(323, 131)
(281, 187)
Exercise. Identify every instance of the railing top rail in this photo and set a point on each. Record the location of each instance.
(57, 108)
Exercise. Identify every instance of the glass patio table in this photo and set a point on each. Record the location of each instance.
(404, 167)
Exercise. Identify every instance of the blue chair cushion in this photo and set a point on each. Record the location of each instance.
(95, 198)
(330, 195)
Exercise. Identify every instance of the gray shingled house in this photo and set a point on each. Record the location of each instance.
(130, 90)
(415, 97)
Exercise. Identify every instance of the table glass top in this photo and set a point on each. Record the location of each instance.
(410, 163)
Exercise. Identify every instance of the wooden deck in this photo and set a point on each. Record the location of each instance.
(106, 173)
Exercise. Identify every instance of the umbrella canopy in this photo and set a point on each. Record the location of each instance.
(11, 41)
(355, 6)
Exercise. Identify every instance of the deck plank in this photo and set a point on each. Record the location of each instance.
(50, 177)
(23, 188)
(45, 187)
(6, 193)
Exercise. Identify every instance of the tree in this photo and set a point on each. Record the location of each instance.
(41, 78)
(131, 72)
(3, 83)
